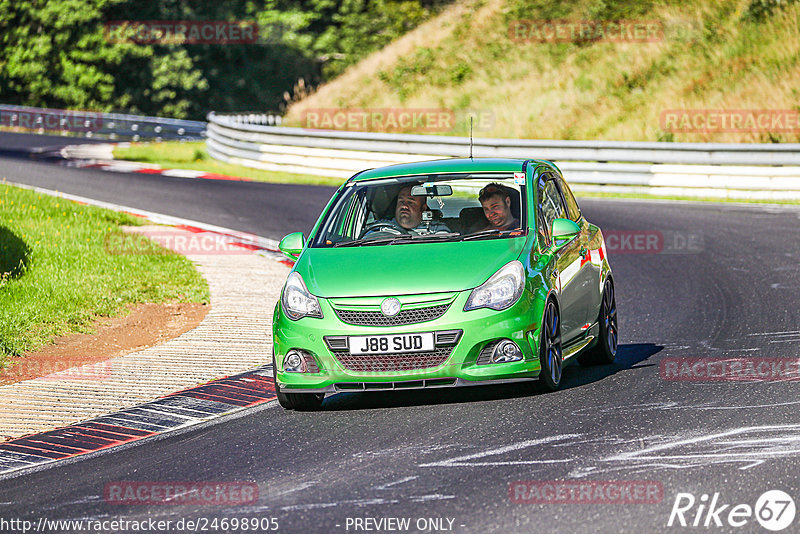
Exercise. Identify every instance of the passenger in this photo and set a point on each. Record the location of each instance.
(408, 216)
(496, 202)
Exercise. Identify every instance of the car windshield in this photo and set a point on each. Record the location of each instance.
(426, 208)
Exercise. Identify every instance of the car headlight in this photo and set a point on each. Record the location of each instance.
(297, 301)
(501, 290)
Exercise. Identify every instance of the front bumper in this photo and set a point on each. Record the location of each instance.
(520, 323)
(431, 383)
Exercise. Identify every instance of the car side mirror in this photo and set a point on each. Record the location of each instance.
(292, 245)
(563, 231)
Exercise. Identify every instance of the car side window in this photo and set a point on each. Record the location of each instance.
(551, 204)
(356, 216)
(572, 205)
(543, 229)
(349, 221)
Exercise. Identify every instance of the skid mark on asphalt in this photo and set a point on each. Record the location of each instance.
(406, 450)
(741, 445)
(745, 447)
(676, 406)
(377, 501)
(293, 489)
(785, 333)
(792, 336)
(395, 483)
(434, 497)
(644, 407)
(402, 493)
(749, 407)
(467, 460)
(758, 341)
(354, 502)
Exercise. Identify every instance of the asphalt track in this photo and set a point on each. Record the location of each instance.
(453, 454)
(267, 210)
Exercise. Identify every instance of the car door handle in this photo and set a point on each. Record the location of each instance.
(554, 274)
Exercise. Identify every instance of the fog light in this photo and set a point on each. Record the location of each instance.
(506, 351)
(294, 362)
(300, 361)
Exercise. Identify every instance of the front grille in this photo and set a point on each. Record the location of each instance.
(336, 342)
(376, 318)
(440, 337)
(394, 362)
(311, 363)
(447, 337)
(485, 356)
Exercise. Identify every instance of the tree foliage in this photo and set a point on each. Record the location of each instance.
(58, 53)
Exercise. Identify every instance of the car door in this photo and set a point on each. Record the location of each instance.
(589, 274)
(567, 259)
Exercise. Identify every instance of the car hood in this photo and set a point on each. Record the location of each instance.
(404, 269)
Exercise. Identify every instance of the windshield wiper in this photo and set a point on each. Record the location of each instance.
(493, 232)
(401, 238)
(430, 237)
(366, 241)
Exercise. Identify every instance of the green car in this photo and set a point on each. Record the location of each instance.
(446, 273)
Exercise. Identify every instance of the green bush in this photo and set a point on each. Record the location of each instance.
(759, 10)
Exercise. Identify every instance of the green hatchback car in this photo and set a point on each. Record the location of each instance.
(445, 273)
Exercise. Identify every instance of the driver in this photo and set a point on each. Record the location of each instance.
(496, 202)
(408, 216)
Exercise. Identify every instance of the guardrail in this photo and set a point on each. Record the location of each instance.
(113, 126)
(753, 171)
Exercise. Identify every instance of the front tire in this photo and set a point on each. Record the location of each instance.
(296, 401)
(550, 355)
(605, 350)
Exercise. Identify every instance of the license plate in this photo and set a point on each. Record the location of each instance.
(391, 344)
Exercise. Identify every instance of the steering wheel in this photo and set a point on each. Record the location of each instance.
(382, 227)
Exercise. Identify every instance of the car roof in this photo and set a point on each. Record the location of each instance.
(442, 166)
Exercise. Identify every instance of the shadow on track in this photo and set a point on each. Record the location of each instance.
(628, 357)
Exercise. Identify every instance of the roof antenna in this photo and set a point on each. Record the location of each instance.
(470, 137)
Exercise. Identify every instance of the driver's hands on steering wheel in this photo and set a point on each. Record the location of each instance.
(383, 227)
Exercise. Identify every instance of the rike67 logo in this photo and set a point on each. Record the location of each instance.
(774, 510)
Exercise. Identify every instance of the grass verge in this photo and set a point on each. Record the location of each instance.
(57, 276)
(192, 155)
